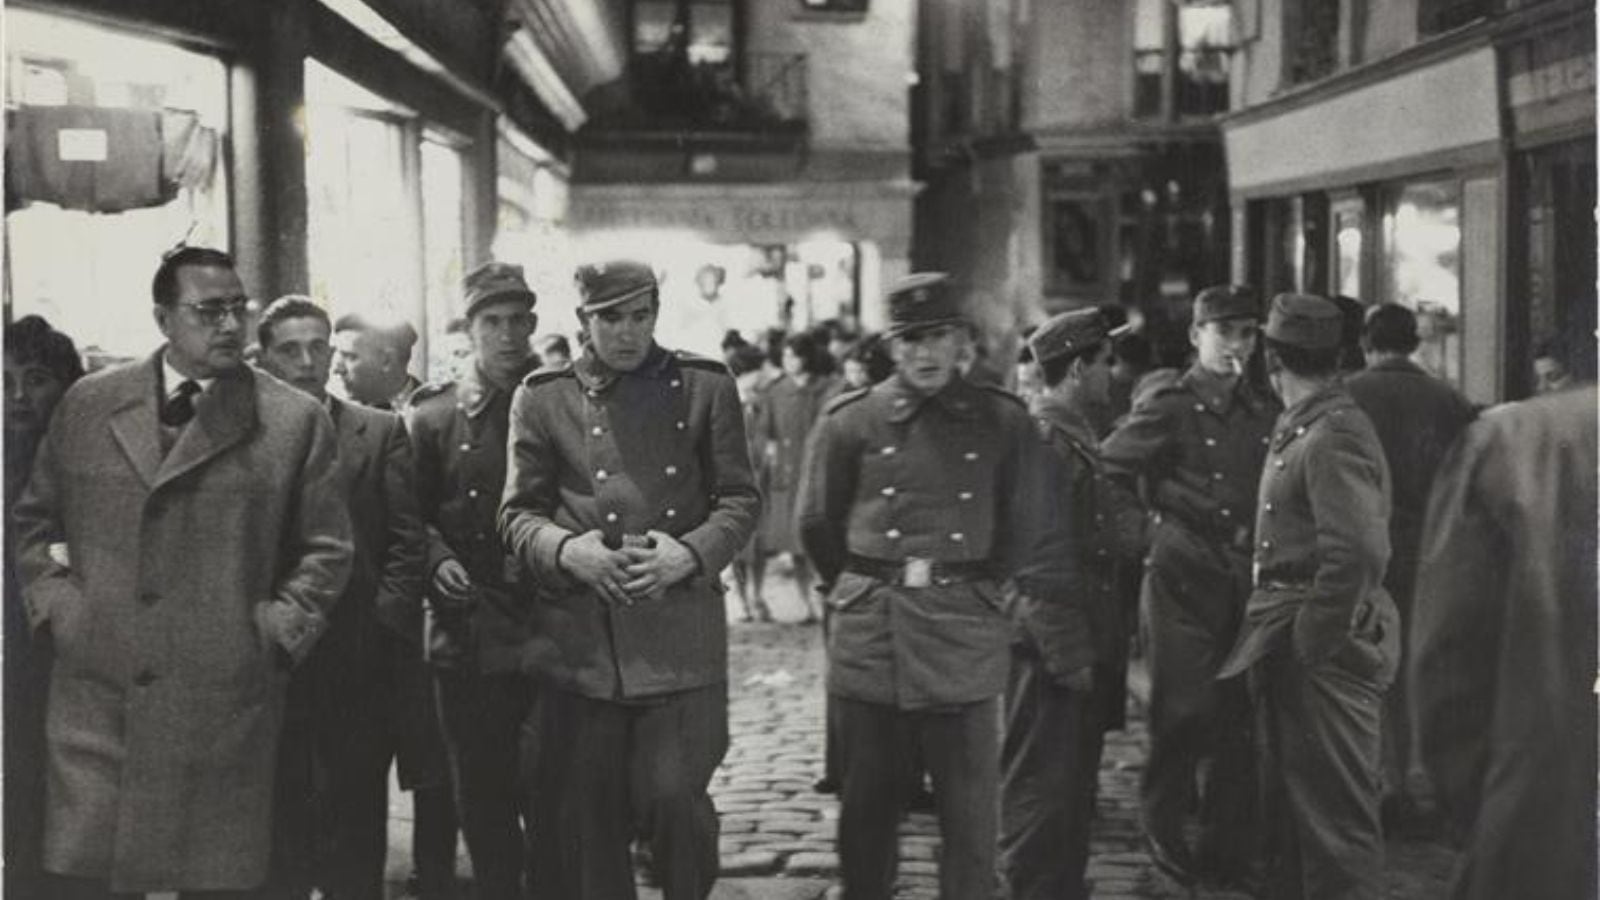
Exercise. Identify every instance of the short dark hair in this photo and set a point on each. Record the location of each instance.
(1391, 328)
(557, 343)
(1135, 350)
(1304, 361)
(806, 346)
(873, 356)
(32, 341)
(164, 286)
(397, 336)
(289, 306)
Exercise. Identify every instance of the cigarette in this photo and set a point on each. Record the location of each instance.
(1238, 367)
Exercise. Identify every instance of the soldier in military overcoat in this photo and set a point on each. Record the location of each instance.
(629, 490)
(1321, 636)
(1196, 444)
(477, 619)
(921, 496)
(1068, 668)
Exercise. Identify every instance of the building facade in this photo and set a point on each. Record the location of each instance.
(366, 152)
(756, 152)
(1435, 153)
(1070, 155)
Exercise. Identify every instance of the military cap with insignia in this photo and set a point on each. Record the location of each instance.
(1071, 333)
(607, 284)
(493, 282)
(922, 300)
(1305, 321)
(1226, 301)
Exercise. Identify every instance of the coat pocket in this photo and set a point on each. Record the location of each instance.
(849, 590)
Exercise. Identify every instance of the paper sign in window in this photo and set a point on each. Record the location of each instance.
(81, 145)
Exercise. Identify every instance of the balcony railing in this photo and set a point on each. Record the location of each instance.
(670, 93)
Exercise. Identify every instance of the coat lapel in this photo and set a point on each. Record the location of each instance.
(134, 422)
(224, 416)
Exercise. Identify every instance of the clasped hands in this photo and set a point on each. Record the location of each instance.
(628, 575)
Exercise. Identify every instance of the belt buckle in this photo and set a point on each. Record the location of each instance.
(918, 572)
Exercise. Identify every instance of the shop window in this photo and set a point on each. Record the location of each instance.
(1075, 243)
(1422, 263)
(114, 155)
(1349, 243)
(700, 31)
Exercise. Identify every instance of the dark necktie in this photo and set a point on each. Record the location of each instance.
(179, 408)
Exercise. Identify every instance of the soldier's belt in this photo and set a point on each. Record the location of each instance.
(917, 572)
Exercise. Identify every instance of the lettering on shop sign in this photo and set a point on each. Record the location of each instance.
(780, 216)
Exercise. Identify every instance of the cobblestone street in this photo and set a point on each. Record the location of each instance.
(778, 835)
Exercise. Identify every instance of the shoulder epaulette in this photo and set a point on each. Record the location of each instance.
(547, 373)
(845, 399)
(430, 390)
(696, 361)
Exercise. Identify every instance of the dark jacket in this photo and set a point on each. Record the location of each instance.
(458, 431)
(1322, 542)
(1502, 661)
(788, 412)
(660, 448)
(1417, 417)
(955, 478)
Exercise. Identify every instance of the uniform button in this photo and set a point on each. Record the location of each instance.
(1264, 441)
(892, 534)
(1267, 507)
(149, 598)
(1226, 512)
(465, 448)
(145, 678)
(672, 514)
(473, 493)
(1199, 407)
(671, 471)
(597, 431)
(957, 536)
(481, 536)
(889, 451)
(1216, 476)
(1300, 429)
(1279, 463)
(965, 495)
(1211, 442)
(601, 475)
(677, 383)
(970, 455)
(887, 492)
(681, 425)
(1266, 545)
(1100, 552)
(611, 517)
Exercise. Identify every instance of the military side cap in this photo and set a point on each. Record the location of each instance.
(1305, 321)
(493, 282)
(1071, 333)
(922, 300)
(1226, 301)
(604, 285)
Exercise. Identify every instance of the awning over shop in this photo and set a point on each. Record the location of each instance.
(1446, 112)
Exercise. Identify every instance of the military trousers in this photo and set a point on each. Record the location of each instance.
(961, 748)
(1191, 605)
(613, 771)
(482, 716)
(1321, 760)
(1049, 770)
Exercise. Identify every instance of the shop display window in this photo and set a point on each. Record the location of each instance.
(1422, 268)
(114, 155)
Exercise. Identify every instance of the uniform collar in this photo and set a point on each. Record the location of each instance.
(1397, 365)
(1297, 420)
(476, 393)
(1064, 415)
(598, 377)
(959, 398)
(1218, 394)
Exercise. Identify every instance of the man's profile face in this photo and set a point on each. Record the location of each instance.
(500, 333)
(622, 335)
(1550, 375)
(927, 358)
(363, 365)
(298, 352)
(207, 325)
(1220, 343)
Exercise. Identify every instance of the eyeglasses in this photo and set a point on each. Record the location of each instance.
(213, 312)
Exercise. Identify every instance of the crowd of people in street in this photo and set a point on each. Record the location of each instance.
(238, 596)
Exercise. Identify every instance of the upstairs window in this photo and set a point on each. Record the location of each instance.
(1436, 16)
(1181, 58)
(1311, 40)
